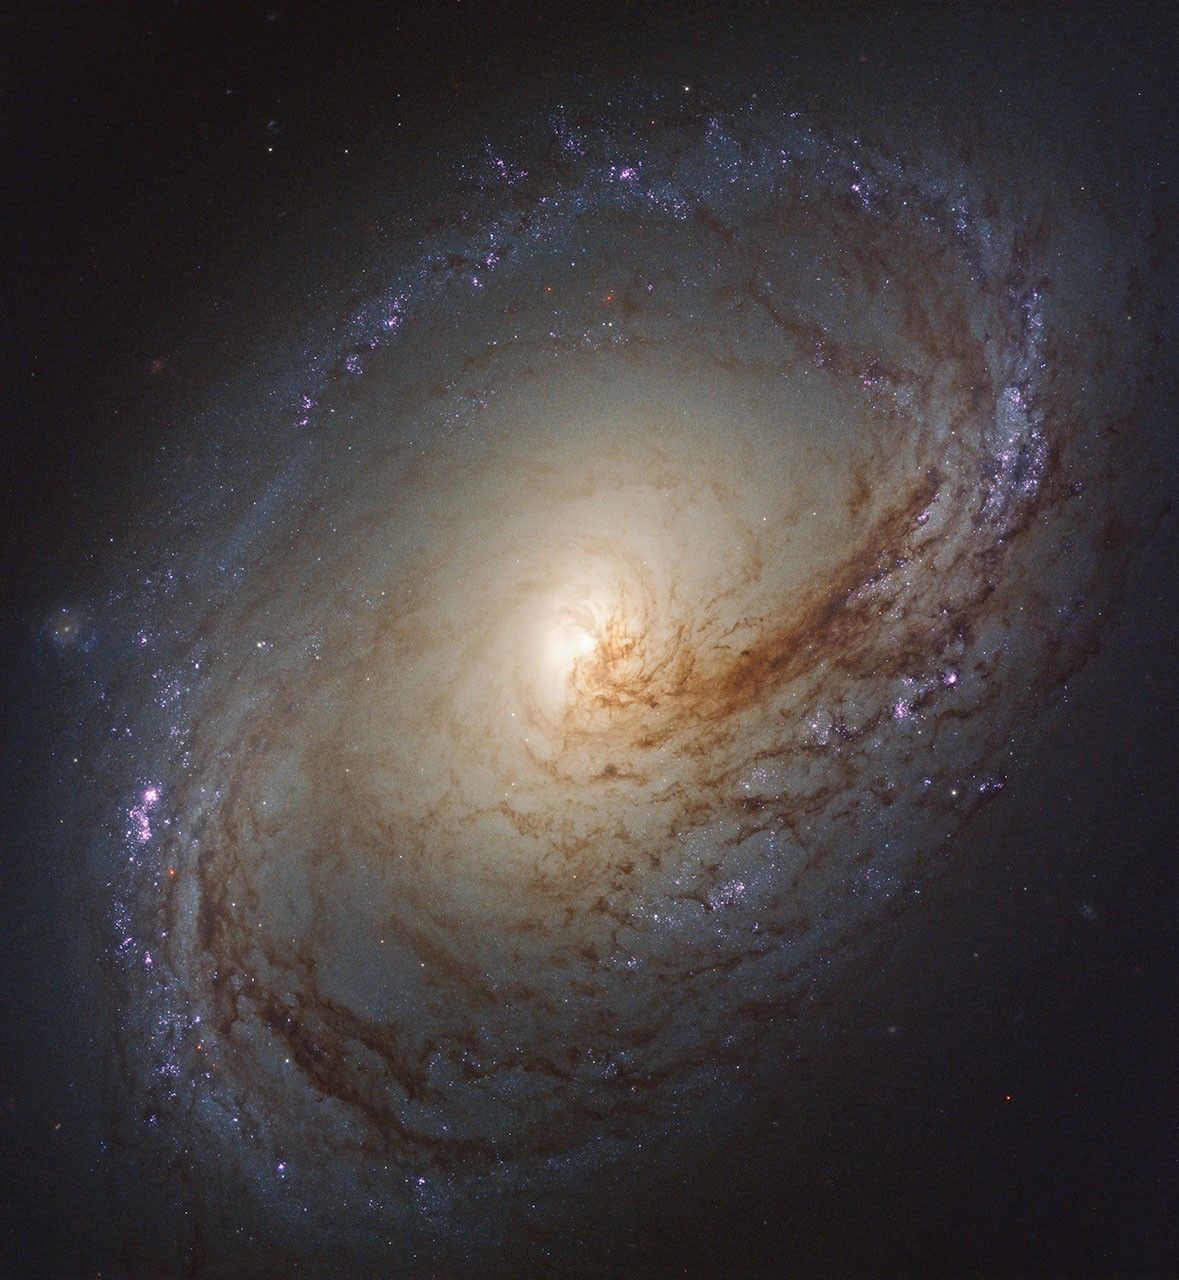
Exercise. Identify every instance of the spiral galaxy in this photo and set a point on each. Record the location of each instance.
(596, 627)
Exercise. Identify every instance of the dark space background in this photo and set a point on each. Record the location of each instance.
(164, 166)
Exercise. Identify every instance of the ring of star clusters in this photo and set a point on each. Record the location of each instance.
(601, 629)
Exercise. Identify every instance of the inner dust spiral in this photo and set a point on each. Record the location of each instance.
(605, 619)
